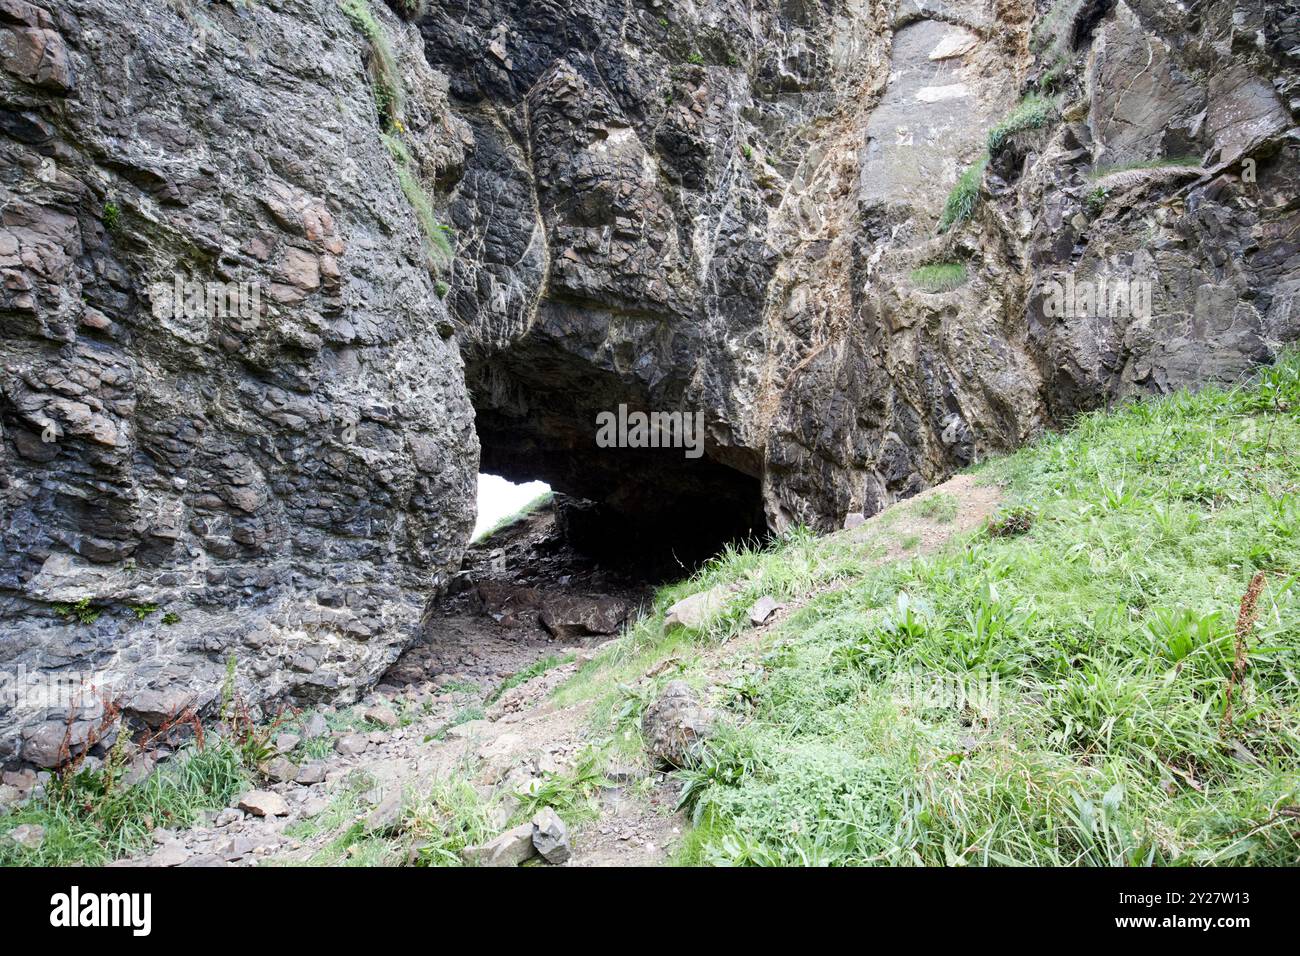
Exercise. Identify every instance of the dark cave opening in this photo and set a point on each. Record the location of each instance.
(629, 507)
(658, 512)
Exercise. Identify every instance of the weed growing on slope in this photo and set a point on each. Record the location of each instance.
(93, 816)
(536, 669)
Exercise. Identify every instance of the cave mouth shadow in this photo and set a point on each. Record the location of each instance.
(662, 545)
(647, 513)
(543, 411)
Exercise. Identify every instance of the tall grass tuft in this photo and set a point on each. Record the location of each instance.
(961, 202)
(1032, 112)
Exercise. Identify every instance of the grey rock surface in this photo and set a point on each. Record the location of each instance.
(510, 848)
(288, 484)
(718, 208)
(551, 836)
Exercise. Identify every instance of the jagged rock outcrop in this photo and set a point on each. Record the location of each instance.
(285, 475)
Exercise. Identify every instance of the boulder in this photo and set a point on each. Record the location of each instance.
(281, 770)
(674, 725)
(171, 853)
(698, 609)
(349, 745)
(311, 773)
(551, 836)
(263, 803)
(385, 817)
(30, 836)
(509, 849)
(761, 610)
(383, 715)
(316, 726)
(568, 617)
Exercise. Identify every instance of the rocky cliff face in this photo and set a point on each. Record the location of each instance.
(285, 473)
(724, 207)
(734, 209)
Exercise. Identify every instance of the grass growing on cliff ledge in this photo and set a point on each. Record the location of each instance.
(385, 78)
(1085, 687)
(939, 276)
(1032, 112)
(964, 197)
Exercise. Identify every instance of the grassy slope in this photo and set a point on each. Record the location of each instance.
(1052, 697)
(1055, 697)
(536, 504)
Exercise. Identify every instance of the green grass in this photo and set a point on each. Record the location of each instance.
(112, 217)
(1032, 112)
(939, 276)
(541, 501)
(385, 78)
(1053, 693)
(964, 197)
(91, 819)
(435, 825)
(449, 817)
(439, 243)
(535, 669)
(940, 507)
(439, 239)
(570, 793)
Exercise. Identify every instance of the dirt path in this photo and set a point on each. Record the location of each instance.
(449, 717)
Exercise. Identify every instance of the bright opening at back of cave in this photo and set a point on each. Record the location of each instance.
(499, 498)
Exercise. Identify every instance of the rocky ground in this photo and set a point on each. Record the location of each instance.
(439, 716)
(522, 594)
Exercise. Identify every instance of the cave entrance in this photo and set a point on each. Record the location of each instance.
(657, 512)
(644, 481)
(501, 501)
(579, 565)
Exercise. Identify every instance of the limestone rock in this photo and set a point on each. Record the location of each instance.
(316, 726)
(551, 836)
(698, 609)
(30, 836)
(226, 466)
(568, 617)
(511, 848)
(281, 770)
(172, 853)
(386, 816)
(311, 773)
(762, 609)
(382, 715)
(349, 745)
(263, 803)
